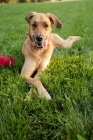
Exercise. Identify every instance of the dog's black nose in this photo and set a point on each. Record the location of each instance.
(39, 38)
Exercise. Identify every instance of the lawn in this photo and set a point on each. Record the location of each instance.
(68, 79)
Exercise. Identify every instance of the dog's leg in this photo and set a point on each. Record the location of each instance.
(71, 39)
(26, 72)
(41, 90)
(58, 41)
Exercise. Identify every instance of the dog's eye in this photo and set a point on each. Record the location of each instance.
(45, 25)
(34, 25)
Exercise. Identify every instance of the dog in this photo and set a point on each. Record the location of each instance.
(39, 46)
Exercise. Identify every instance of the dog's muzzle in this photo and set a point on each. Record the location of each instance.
(40, 41)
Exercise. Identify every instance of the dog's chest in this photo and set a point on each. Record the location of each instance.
(45, 58)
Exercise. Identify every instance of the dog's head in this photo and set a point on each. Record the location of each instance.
(40, 26)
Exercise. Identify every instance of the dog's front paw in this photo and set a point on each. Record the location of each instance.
(74, 38)
(44, 94)
(48, 97)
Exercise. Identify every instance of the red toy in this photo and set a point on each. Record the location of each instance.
(5, 61)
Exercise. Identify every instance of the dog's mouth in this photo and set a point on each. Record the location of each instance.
(40, 41)
(40, 44)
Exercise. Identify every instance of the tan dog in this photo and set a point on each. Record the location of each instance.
(39, 47)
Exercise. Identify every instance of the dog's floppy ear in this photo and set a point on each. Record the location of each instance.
(54, 20)
(29, 16)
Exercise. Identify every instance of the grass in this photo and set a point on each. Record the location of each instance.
(69, 77)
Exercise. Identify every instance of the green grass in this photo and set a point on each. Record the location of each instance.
(68, 79)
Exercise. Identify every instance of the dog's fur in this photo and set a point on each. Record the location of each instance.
(39, 47)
